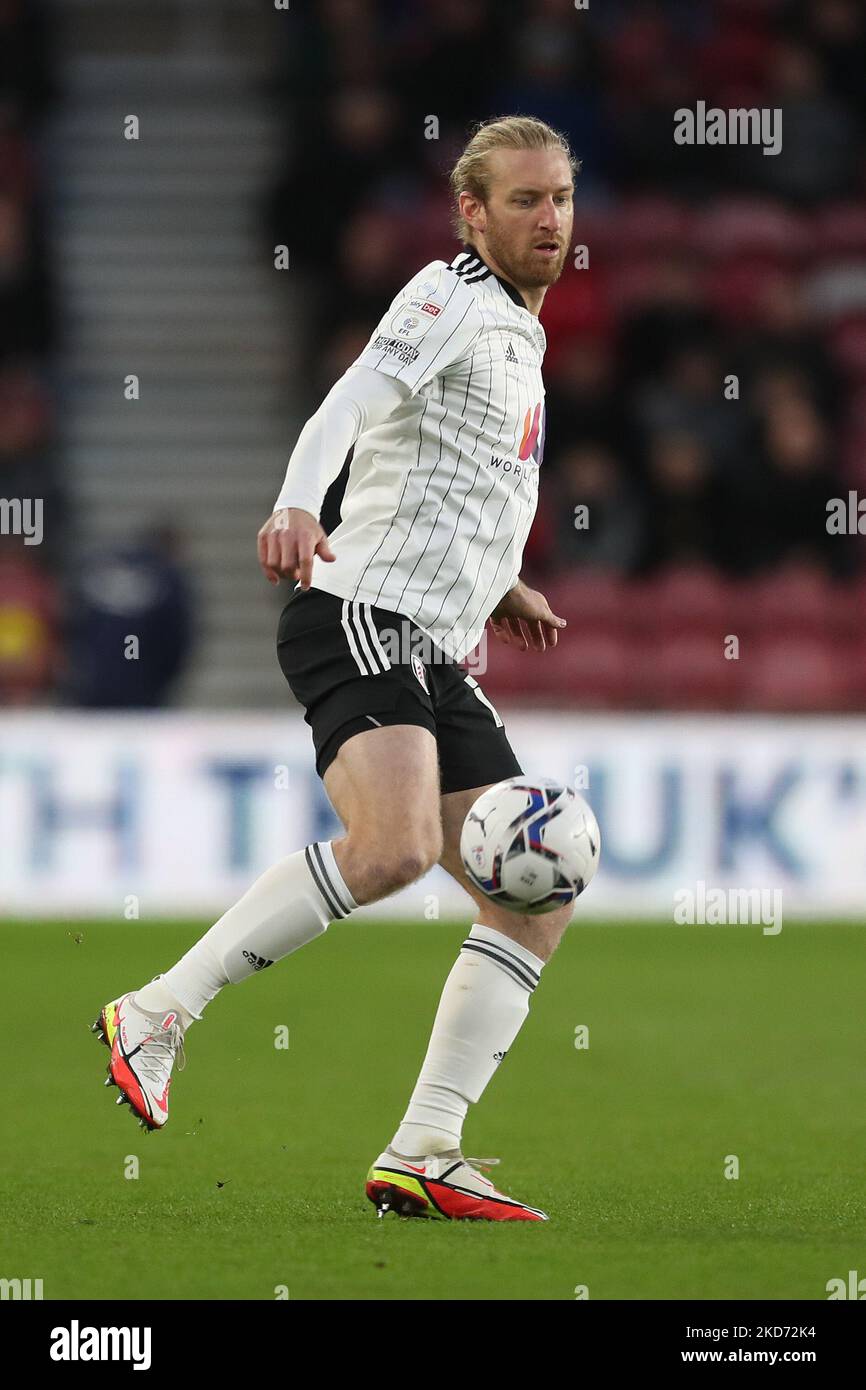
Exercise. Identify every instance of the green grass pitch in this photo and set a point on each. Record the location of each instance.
(703, 1042)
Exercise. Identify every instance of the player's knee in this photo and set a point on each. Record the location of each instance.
(413, 859)
(388, 873)
(387, 865)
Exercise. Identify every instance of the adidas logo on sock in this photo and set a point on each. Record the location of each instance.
(498, 1056)
(257, 962)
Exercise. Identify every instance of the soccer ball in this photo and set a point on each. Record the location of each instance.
(530, 844)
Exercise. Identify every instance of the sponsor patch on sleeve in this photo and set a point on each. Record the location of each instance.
(409, 323)
(394, 348)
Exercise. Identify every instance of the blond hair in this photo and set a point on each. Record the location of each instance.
(471, 173)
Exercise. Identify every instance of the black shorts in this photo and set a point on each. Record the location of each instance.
(354, 666)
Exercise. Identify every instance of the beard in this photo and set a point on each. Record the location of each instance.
(525, 268)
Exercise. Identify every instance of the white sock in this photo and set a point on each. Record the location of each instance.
(156, 999)
(291, 904)
(483, 1006)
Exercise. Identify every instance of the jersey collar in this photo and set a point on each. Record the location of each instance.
(476, 268)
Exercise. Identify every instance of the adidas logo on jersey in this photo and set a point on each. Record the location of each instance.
(257, 962)
(510, 354)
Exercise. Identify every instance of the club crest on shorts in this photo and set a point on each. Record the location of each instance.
(418, 668)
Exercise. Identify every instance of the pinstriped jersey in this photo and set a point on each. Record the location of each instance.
(441, 496)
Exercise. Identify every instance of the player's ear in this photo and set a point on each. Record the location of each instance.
(471, 209)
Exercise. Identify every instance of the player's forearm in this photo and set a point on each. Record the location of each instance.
(360, 400)
(320, 452)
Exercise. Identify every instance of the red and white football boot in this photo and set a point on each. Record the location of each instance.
(143, 1051)
(448, 1188)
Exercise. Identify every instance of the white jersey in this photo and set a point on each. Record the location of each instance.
(441, 496)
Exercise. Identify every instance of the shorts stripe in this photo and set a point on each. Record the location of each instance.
(370, 656)
(473, 684)
(357, 639)
(374, 636)
(356, 619)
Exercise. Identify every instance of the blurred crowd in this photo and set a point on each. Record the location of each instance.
(64, 617)
(706, 373)
(28, 467)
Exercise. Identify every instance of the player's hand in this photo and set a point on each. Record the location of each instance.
(524, 620)
(287, 543)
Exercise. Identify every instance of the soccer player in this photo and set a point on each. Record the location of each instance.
(445, 410)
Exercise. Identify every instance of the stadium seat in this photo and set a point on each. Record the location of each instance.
(848, 344)
(735, 287)
(693, 598)
(590, 600)
(583, 309)
(796, 674)
(800, 600)
(857, 409)
(856, 663)
(854, 631)
(840, 230)
(650, 224)
(635, 282)
(736, 227)
(854, 442)
(854, 457)
(686, 672)
(588, 671)
(595, 226)
(511, 674)
(592, 671)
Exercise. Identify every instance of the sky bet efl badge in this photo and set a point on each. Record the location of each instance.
(414, 318)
